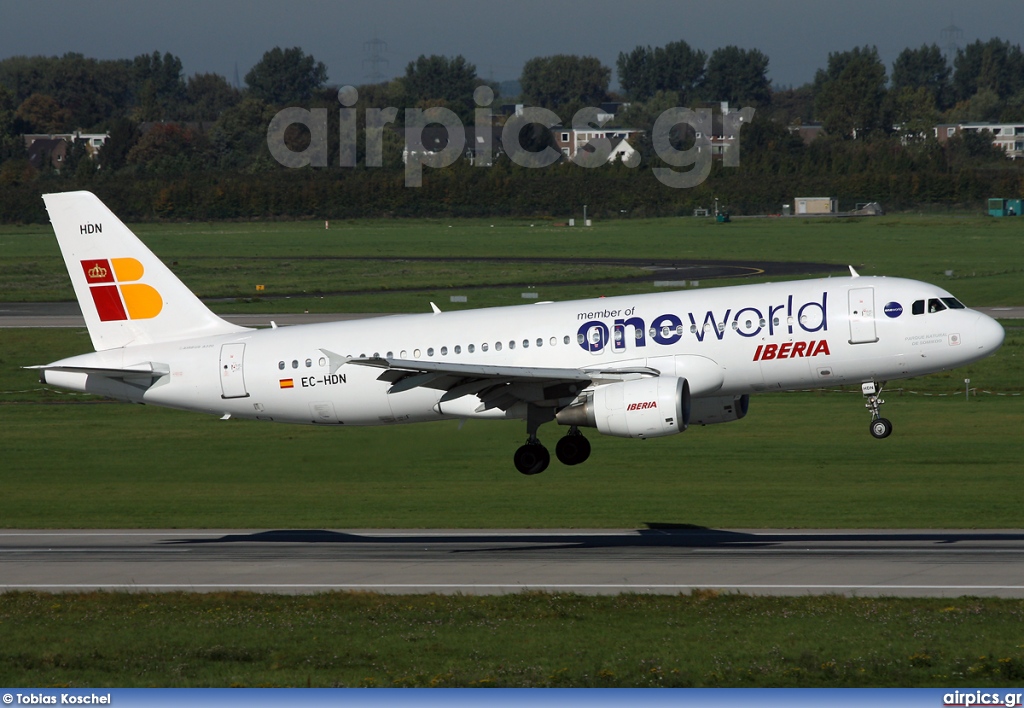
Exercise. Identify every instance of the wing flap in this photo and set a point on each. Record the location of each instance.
(495, 386)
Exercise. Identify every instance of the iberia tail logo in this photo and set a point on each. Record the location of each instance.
(116, 292)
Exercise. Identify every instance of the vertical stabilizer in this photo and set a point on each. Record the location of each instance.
(127, 295)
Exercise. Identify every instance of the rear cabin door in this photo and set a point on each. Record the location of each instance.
(862, 316)
(232, 377)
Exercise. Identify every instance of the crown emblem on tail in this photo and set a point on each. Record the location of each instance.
(97, 271)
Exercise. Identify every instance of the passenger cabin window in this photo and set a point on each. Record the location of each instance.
(918, 307)
(935, 305)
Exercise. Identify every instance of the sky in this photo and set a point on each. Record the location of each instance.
(498, 37)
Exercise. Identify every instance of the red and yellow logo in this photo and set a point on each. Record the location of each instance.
(116, 293)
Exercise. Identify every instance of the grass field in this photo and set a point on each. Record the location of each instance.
(292, 258)
(798, 460)
(349, 639)
(815, 464)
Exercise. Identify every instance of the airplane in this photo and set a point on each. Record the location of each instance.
(635, 366)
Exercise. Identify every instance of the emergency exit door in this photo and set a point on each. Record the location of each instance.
(862, 316)
(232, 375)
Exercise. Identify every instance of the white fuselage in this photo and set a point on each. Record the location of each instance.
(725, 341)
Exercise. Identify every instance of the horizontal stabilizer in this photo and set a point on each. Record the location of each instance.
(150, 369)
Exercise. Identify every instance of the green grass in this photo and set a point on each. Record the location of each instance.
(797, 460)
(229, 260)
(351, 639)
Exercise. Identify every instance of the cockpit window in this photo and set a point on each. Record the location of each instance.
(935, 305)
(953, 304)
(918, 307)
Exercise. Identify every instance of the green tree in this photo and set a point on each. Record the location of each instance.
(285, 76)
(994, 65)
(739, 76)
(42, 114)
(675, 67)
(239, 137)
(209, 95)
(565, 81)
(114, 153)
(792, 106)
(985, 105)
(439, 80)
(159, 86)
(171, 148)
(850, 93)
(914, 111)
(92, 91)
(8, 137)
(926, 68)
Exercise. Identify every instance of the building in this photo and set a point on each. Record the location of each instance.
(808, 132)
(1009, 137)
(44, 151)
(570, 140)
(816, 205)
(434, 138)
(93, 141)
(1005, 207)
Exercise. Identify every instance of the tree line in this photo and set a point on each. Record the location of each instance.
(195, 147)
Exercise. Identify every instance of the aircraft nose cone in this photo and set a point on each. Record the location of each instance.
(988, 334)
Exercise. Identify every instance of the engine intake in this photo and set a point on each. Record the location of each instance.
(643, 408)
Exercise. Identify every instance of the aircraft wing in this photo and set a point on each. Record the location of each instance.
(496, 386)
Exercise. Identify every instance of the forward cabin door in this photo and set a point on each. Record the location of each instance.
(232, 378)
(862, 316)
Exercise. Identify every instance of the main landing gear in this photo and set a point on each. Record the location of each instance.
(880, 427)
(533, 457)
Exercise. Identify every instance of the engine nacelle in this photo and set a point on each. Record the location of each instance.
(718, 409)
(642, 408)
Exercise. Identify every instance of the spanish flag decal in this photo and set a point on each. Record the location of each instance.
(287, 383)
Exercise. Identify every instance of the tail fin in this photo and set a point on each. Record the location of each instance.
(128, 296)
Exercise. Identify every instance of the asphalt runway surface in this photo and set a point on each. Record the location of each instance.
(664, 560)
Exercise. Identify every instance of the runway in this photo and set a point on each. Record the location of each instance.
(938, 563)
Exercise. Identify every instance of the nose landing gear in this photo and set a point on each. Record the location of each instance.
(880, 427)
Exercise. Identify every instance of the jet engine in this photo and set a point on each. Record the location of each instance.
(642, 408)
